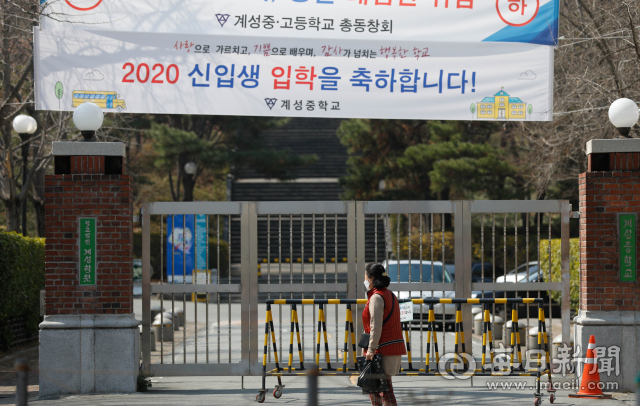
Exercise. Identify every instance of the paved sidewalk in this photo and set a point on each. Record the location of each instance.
(333, 391)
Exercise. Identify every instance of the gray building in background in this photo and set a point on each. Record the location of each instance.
(303, 136)
(320, 181)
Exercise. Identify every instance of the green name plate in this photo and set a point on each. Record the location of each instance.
(87, 251)
(627, 235)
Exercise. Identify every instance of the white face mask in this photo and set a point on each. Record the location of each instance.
(367, 285)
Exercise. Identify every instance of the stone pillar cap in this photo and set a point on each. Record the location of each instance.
(611, 146)
(79, 148)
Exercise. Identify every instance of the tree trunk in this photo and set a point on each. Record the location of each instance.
(13, 214)
(189, 185)
(39, 211)
(37, 200)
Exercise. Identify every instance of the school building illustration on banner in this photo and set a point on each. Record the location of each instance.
(502, 106)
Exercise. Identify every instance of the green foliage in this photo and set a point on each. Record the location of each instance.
(465, 166)
(473, 108)
(530, 109)
(144, 383)
(556, 272)
(21, 279)
(172, 143)
(423, 160)
(157, 256)
(242, 147)
(449, 242)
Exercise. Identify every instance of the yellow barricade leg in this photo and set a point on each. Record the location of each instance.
(432, 316)
(345, 352)
(291, 338)
(326, 340)
(428, 357)
(484, 335)
(273, 338)
(513, 338)
(300, 354)
(407, 338)
(318, 336)
(457, 335)
(544, 335)
(266, 345)
(516, 327)
(353, 336)
(487, 320)
(464, 349)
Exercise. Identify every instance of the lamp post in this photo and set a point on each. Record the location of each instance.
(624, 114)
(88, 117)
(24, 126)
(190, 168)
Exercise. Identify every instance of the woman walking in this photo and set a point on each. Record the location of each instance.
(381, 320)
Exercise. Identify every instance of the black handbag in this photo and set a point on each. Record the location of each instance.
(372, 378)
(365, 337)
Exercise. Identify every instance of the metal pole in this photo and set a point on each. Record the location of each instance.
(146, 292)
(312, 394)
(25, 157)
(565, 255)
(22, 377)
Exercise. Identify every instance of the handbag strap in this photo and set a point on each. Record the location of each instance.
(393, 306)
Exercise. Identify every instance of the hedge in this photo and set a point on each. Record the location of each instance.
(556, 273)
(156, 253)
(449, 242)
(21, 280)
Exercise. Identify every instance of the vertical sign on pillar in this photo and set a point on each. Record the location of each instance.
(627, 233)
(87, 255)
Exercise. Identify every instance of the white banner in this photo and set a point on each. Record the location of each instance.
(192, 74)
(527, 21)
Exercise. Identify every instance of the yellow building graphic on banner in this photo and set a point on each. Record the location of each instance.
(502, 106)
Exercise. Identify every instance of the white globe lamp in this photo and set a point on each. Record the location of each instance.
(88, 118)
(25, 124)
(624, 114)
(190, 168)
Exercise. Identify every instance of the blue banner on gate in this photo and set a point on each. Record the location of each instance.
(180, 248)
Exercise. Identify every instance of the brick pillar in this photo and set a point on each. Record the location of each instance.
(89, 337)
(610, 306)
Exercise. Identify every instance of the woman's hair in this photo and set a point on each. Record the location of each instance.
(379, 275)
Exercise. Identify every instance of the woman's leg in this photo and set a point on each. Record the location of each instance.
(388, 398)
(376, 399)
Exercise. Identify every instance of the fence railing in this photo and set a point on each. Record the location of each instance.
(319, 250)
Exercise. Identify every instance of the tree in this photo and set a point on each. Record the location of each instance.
(421, 160)
(596, 62)
(16, 94)
(216, 143)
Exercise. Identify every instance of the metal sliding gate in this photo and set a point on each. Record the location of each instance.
(318, 250)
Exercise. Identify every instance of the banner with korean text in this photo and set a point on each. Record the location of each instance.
(524, 21)
(139, 72)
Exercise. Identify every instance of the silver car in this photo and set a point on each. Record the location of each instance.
(440, 275)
